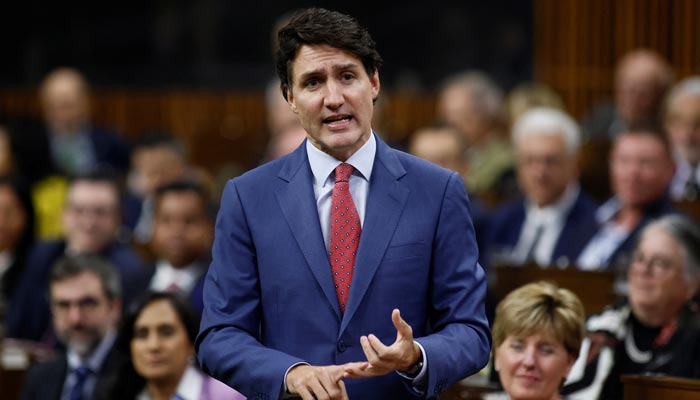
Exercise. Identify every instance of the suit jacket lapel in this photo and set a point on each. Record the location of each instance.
(297, 201)
(385, 203)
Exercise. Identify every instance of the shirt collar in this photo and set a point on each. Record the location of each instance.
(97, 357)
(190, 385)
(322, 164)
(557, 209)
(606, 212)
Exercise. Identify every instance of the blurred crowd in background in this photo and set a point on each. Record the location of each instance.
(546, 189)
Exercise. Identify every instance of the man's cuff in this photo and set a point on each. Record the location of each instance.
(418, 381)
(284, 394)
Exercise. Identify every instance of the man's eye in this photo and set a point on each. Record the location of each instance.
(312, 83)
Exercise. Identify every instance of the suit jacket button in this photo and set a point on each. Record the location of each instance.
(342, 346)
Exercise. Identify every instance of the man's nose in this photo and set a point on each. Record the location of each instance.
(334, 95)
(75, 315)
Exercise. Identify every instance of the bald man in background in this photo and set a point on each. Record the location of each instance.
(76, 145)
(642, 78)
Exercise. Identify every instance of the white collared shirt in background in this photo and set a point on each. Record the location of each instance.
(597, 253)
(184, 278)
(552, 219)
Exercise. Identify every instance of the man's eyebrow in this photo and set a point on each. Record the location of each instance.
(336, 68)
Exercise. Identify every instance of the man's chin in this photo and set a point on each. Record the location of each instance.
(83, 346)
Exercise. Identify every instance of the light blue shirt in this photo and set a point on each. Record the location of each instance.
(323, 165)
(600, 248)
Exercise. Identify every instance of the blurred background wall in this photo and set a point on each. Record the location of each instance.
(199, 69)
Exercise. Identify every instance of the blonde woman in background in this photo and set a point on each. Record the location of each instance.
(537, 334)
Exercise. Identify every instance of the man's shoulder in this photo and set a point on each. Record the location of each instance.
(261, 175)
(584, 208)
(416, 167)
(41, 373)
(43, 254)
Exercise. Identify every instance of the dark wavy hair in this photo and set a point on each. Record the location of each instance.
(126, 383)
(313, 26)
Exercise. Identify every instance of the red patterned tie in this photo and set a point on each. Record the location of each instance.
(345, 234)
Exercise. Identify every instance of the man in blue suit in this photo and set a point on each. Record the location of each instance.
(345, 269)
(555, 218)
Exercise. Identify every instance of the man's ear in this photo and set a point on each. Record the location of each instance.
(374, 82)
(291, 101)
(116, 308)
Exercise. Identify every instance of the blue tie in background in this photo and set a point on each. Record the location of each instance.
(81, 375)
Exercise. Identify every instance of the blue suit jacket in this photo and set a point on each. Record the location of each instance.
(269, 300)
(578, 229)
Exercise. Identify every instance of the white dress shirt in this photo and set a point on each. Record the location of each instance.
(167, 276)
(550, 220)
(685, 173)
(596, 255)
(189, 387)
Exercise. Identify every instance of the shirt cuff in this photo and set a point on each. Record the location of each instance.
(418, 381)
(285, 392)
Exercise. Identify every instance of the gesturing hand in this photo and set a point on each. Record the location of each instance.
(312, 382)
(381, 359)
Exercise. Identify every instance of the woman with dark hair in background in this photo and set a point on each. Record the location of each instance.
(157, 334)
(16, 234)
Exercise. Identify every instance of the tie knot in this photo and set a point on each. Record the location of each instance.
(343, 172)
(82, 372)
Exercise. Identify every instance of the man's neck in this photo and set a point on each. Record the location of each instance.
(629, 216)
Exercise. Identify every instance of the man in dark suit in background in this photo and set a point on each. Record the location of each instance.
(91, 221)
(77, 146)
(641, 169)
(182, 237)
(330, 261)
(85, 296)
(555, 218)
(642, 78)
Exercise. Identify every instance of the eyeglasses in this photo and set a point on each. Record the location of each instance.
(657, 264)
(86, 304)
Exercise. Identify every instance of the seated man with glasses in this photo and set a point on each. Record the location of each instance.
(91, 221)
(85, 298)
(657, 330)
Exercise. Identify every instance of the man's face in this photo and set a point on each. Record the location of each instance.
(438, 147)
(156, 166)
(181, 230)
(683, 127)
(90, 216)
(458, 108)
(332, 94)
(640, 169)
(545, 168)
(82, 312)
(65, 103)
